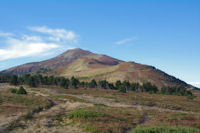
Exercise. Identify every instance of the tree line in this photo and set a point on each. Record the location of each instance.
(37, 80)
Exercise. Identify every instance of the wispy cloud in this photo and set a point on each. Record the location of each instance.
(55, 34)
(24, 48)
(5, 34)
(35, 45)
(126, 40)
(32, 38)
(197, 84)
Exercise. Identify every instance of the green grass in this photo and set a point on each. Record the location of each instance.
(177, 116)
(71, 98)
(99, 105)
(104, 119)
(90, 128)
(165, 130)
(85, 114)
(25, 100)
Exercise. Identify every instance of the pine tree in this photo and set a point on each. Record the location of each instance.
(14, 80)
(74, 82)
(93, 84)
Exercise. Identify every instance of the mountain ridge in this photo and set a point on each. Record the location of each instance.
(87, 65)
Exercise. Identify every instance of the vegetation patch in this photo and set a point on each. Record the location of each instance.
(165, 130)
(167, 118)
(71, 98)
(104, 119)
(99, 105)
(21, 90)
(37, 80)
(85, 114)
(12, 90)
(90, 128)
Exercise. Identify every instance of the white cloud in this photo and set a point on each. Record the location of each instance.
(25, 48)
(197, 84)
(31, 38)
(36, 45)
(126, 40)
(55, 34)
(5, 34)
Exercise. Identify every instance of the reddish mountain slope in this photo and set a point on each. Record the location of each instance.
(86, 66)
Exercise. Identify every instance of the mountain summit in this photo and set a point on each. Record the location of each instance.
(87, 65)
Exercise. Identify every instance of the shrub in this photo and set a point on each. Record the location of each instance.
(103, 84)
(90, 128)
(64, 83)
(165, 130)
(14, 80)
(93, 84)
(21, 90)
(134, 86)
(122, 89)
(99, 105)
(84, 114)
(29, 115)
(180, 91)
(148, 87)
(118, 84)
(13, 90)
(74, 82)
(190, 96)
(37, 110)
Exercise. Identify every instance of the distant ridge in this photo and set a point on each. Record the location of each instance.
(87, 65)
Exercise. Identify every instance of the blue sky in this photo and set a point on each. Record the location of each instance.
(161, 33)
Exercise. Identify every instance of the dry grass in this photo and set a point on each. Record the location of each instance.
(168, 118)
(146, 99)
(102, 110)
(107, 119)
(14, 107)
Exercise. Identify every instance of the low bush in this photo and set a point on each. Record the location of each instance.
(191, 97)
(29, 115)
(165, 130)
(21, 90)
(85, 114)
(99, 105)
(122, 89)
(12, 90)
(177, 90)
(91, 128)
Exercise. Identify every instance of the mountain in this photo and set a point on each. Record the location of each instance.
(87, 65)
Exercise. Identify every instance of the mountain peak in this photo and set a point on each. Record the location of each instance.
(76, 49)
(77, 52)
(85, 64)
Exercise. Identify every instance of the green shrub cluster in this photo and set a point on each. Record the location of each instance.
(165, 130)
(4, 78)
(85, 114)
(13, 90)
(36, 80)
(21, 90)
(177, 90)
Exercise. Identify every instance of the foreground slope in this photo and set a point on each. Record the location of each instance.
(90, 110)
(87, 65)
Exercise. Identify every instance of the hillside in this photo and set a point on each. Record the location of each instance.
(87, 65)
